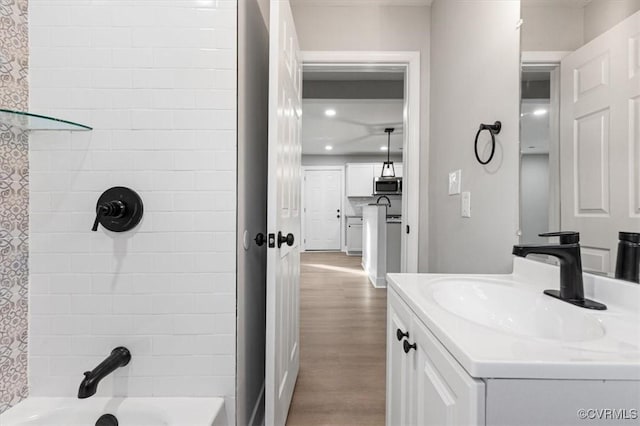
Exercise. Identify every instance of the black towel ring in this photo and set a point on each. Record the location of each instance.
(494, 129)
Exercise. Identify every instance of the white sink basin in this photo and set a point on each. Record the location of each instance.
(517, 311)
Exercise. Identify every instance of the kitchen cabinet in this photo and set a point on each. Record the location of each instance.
(359, 180)
(398, 168)
(354, 235)
(425, 384)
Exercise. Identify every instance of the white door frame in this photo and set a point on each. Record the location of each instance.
(410, 62)
(547, 60)
(302, 198)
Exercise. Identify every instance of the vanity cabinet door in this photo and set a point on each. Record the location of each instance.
(399, 371)
(444, 394)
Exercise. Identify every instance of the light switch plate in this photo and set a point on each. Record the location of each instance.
(454, 182)
(465, 202)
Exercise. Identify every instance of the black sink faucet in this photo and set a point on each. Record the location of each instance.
(628, 260)
(568, 253)
(119, 357)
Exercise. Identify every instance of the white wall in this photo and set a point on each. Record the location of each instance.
(552, 27)
(377, 28)
(475, 61)
(253, 93)
(565, 27)
(157, 81)
(534, 213)
(601, 15)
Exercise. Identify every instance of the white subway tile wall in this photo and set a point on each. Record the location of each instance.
(157, 81)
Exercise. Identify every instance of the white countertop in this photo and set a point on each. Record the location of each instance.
(486, 352)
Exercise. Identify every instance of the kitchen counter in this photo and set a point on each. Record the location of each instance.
(381, 244)
(523, 333)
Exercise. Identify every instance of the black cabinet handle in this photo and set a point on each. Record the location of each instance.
(400, 335)
(288, 239)
(260, 239)
(408, 347)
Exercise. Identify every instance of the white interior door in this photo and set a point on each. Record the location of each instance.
(283, 214)
(600, 142)
(322, 212)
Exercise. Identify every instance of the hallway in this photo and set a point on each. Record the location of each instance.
(342, 342)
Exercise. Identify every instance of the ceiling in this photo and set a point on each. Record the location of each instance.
(534, 129)
(357, 127)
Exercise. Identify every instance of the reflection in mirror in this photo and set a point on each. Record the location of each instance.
(534, 148)
(580, 123)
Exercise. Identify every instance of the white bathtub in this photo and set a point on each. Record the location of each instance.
(128, 411)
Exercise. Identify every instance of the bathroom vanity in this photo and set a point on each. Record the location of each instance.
(494, 350)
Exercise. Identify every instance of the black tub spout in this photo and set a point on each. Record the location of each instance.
(119, 357)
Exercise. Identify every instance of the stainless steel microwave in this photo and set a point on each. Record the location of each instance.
(387, 185)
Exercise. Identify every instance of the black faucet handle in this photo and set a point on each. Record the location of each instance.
(566, 237)
(115, 209)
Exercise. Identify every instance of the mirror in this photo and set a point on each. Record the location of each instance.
(580, 123)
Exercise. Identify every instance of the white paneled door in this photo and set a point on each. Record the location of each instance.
(322, 212)
(600, 142)
(282, 355)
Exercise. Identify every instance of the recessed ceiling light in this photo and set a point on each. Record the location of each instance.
(383, 148)
(540, 112)
(330, 112)
(328, 147)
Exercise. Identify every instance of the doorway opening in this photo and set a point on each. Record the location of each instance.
(352, 165)
(396, 77)
(353, 233)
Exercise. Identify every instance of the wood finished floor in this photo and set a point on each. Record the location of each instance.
(342, 344)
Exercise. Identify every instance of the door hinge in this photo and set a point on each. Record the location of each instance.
(272, 240)
(408, 229)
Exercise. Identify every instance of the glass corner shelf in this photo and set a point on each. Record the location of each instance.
(28, 121)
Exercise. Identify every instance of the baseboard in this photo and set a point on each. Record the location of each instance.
(257, 415)
(378, 282)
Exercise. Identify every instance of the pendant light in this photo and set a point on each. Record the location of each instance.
(388, 170)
